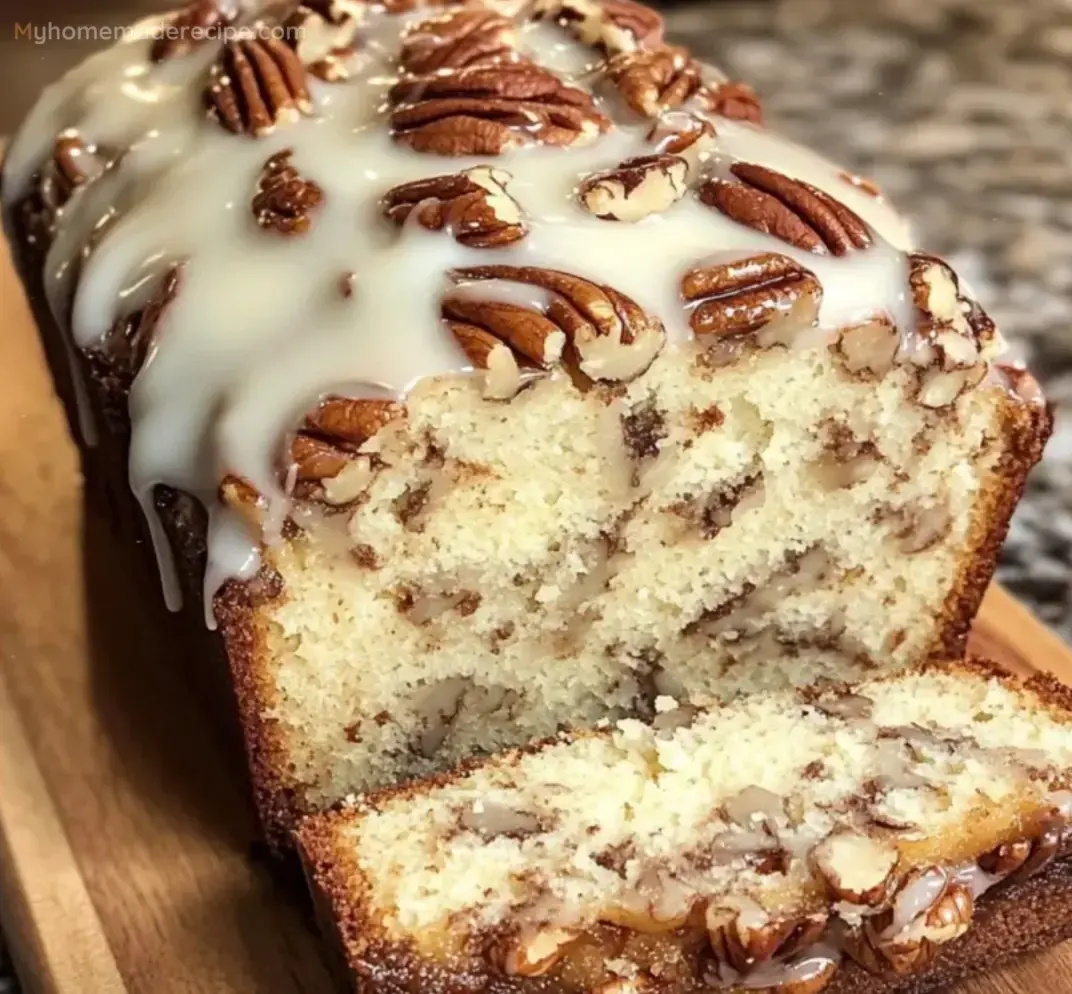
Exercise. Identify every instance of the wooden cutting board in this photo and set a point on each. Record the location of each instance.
(126, 864)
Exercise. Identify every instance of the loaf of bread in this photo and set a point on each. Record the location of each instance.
(490, 369)
(790, 842)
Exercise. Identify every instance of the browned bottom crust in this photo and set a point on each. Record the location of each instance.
(1020, 917)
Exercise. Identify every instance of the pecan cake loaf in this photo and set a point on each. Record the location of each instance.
(886, 838)
(484, 369)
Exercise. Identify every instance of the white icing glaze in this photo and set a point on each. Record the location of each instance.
(260, 331)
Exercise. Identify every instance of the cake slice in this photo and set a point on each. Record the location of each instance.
(487, 369)
(883, 837)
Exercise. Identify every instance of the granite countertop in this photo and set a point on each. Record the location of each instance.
(961, 110)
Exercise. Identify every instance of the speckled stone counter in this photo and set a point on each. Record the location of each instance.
(961, 110)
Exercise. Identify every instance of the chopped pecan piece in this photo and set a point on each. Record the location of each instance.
(736, 298)
(482, 110)
(952, 333)
(636, 188)
(681, 133)
(257, 83)
(535, 951)
(125, 346)
(856, 868)
(191, 27)
(786, 208)
(611, 336)
(868, 186)
(613, 25)
(867, 351)
(655, 80)
(473, 206)
(736, 101)
(467, 36)
(324, 36)
(285, 200)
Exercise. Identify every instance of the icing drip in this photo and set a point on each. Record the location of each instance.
(260, 330)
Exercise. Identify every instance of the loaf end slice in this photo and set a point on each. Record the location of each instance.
(885, 837)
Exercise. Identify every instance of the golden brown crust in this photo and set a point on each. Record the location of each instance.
(1026, 429)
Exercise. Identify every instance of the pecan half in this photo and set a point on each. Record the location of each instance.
(789, 209)
(501, 337)
(324, 452)
(473, 206)
(71, 164)
(125, 346)
(483, 110)
(655, 80)
(324, 36)
(880, 947)
(736, 101)
(285, 200)
(744, 935)
(635, 188)
(468, 36)
(736, 298)
(952, 333)
(613, 25)
(257, 83)
(610, 336)
(190, 28)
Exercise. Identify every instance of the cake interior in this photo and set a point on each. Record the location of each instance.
(830, 808)
(724, 524)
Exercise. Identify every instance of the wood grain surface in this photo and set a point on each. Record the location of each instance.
(126, 862)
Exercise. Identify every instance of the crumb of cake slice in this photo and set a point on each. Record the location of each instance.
(573, 556)
(773, 843)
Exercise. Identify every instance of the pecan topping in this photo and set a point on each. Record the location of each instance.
(951, 336)
(655, 80)
(468, 36)
(190, 28)
(940, 303)
(472, 205)
(611, 337)
(126, 344)
(285, 199)
(636, 188)
(613, 25)
(72, 164)
(678, 131)
(737, 101)
(483, 110)
(789, 209)
(735, 298)
(257, 83)
(323, 33)
(868, 186)
(502, 337)
(324, 451)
